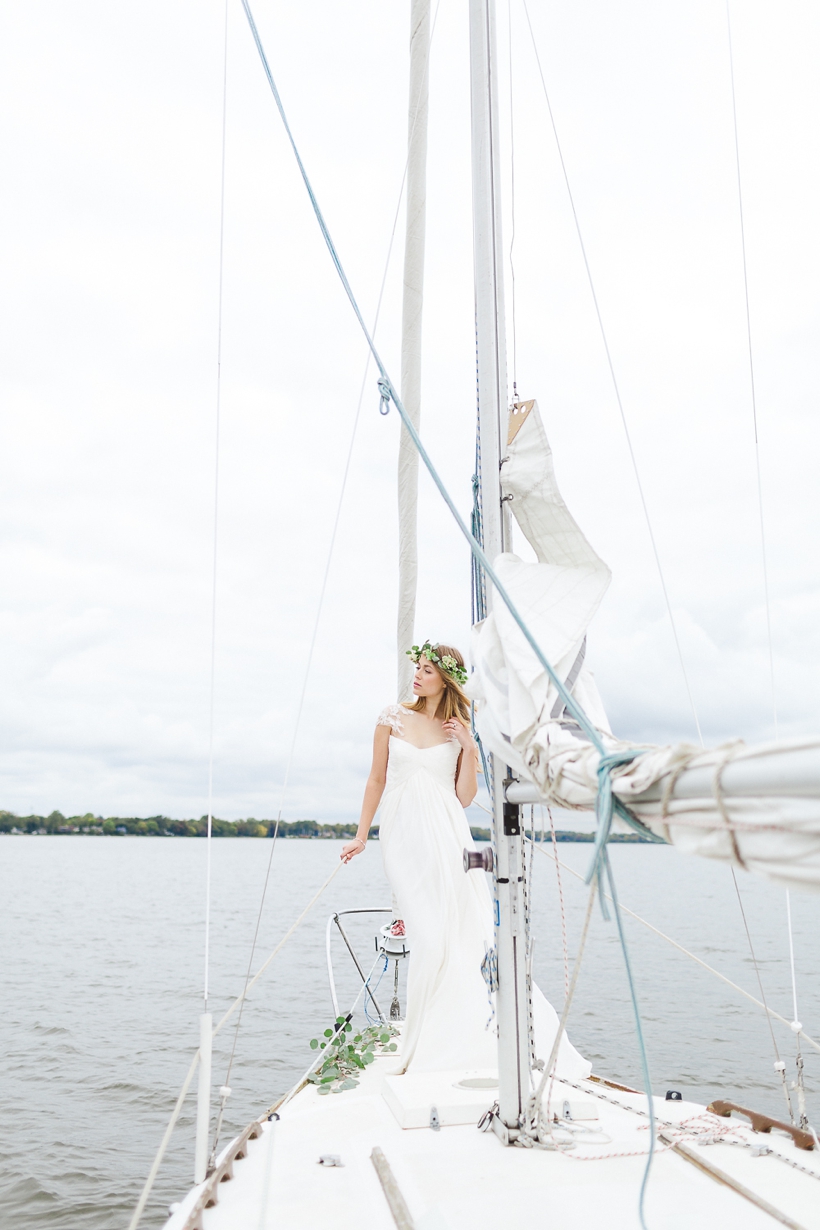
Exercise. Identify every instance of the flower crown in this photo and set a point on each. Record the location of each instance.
(446, 663)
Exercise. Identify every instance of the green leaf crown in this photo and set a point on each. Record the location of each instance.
(445, 662)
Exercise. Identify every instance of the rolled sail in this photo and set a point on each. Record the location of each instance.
(757, 807)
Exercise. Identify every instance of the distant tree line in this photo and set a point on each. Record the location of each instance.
(164, 826)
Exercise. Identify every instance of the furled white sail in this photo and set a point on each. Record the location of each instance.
(756, 807)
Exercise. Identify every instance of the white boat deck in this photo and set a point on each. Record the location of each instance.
(458, 1178)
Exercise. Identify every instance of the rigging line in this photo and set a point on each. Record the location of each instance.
(331, 548)
(687, 953)
(152, 1174)
(778, 1067)
(549, 1071)
(216, 514)
(613, 377)
(389, 393)
(155, 1165)
(752, 372)
(512, 202)
(761, 517)
(791, 955)
(295, 1088)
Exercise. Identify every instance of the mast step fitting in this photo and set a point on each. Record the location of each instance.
(479, 860)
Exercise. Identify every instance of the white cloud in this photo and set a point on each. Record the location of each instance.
(108, 242)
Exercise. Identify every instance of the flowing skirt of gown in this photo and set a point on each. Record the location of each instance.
(422, 833)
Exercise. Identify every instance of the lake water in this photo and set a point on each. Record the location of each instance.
(102, 942)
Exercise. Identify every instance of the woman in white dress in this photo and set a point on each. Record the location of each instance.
(424, 774)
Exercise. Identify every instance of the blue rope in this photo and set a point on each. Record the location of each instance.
(638, 1030)
(607, 802)
(367, 1015)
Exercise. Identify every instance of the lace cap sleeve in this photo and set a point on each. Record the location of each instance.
(391, 716)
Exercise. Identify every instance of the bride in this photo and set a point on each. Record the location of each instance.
(424, 774)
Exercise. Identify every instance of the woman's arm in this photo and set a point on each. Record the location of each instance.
(467, 767)
(373, 792)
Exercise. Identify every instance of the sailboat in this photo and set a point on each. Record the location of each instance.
(455, 1149)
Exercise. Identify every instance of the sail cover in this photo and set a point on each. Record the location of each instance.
(756, 807)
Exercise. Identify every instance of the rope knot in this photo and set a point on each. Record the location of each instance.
(385, 395)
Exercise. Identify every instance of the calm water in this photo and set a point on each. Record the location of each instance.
(102, 973)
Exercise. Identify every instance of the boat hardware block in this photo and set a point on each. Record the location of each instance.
(478, 860)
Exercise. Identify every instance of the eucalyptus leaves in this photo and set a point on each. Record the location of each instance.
(347, 1057)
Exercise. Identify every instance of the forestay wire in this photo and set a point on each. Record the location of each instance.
(607, 802)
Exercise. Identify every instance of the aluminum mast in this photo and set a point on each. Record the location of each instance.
(512, 1004)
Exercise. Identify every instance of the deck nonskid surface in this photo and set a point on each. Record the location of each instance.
(461, 1179)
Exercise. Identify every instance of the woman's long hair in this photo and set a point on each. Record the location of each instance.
(453, 703)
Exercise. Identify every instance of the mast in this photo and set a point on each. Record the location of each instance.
(411, 333)
(512, 1001)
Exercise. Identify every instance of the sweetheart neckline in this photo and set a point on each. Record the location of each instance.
(429, 747)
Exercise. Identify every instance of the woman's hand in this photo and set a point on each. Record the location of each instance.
(351, 849)
(458, 731)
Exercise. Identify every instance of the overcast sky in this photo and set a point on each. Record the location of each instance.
(111, 145)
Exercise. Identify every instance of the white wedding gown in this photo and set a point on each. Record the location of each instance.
(448, 915)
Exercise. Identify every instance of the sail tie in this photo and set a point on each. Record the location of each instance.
(384, 395)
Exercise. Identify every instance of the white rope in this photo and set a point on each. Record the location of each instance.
(278, 948)
(560, 901)
(534, 1114)
(152, 1174)
(613, 377)
(698, 960)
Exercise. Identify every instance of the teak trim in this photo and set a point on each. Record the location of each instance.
(222, 1174)
(763, 1123)
(392, 1191)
